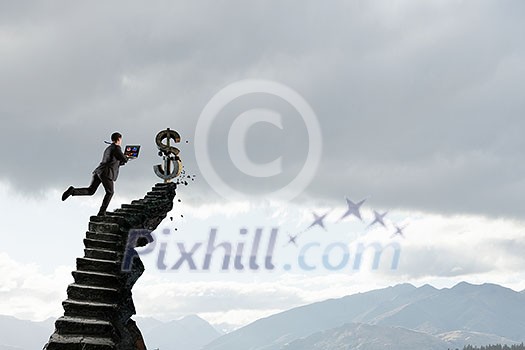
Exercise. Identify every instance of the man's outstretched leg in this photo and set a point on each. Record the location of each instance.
(87, 191)
(109, 187)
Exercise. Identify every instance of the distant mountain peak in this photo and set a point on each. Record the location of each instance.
(466, 286)
(428, 286)
(463, 284)
(190, 333)
(404, 286)
(485, 312)
(192, 317)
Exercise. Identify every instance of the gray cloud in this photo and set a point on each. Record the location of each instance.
(420, 104)
(485, 256)
(207, 298)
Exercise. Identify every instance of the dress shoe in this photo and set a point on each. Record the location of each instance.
(68, 193)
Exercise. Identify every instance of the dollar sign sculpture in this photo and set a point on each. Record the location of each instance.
(172, 166)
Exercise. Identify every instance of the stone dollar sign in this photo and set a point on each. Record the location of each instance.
(172, 166)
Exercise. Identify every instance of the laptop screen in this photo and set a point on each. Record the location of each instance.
(132, 151)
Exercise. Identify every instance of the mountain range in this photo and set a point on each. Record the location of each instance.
(454, 316)
(399, 317)
(18, 334)
(189, 333)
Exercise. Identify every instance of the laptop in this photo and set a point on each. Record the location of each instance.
(132, 151)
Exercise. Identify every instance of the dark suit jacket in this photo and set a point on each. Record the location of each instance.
(112, 159)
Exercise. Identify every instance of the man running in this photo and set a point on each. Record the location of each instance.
(106, 174)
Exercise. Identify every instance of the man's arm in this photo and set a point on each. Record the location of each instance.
(120, 156)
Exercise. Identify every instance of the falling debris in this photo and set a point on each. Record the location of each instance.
(183, 178)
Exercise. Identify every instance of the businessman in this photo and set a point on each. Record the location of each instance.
(106, 174)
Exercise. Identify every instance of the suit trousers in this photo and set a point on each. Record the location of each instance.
(95, 183)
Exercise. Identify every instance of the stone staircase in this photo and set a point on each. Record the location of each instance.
(98, 310)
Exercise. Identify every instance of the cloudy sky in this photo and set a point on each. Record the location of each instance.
(420, 112)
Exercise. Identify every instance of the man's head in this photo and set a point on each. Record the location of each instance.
(116, 138)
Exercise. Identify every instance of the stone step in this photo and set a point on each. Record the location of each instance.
(66, 325)
(104, 227)
(120, 216)
(97, 265)
(159, 194)
(102, 254)
(160, 191)
(110, 237)
(110, 218)
(100, 311)
(158, 202)
(163, 192)
(129, 211)
(98, 244)
(165, 185)
(133, 206)
(96, 279)
(90, 293)
(60, 342)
